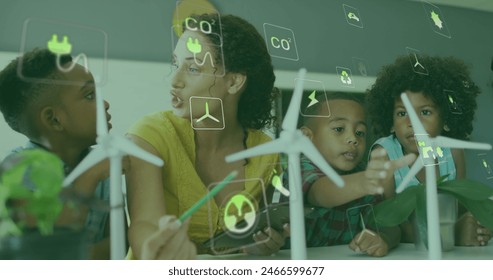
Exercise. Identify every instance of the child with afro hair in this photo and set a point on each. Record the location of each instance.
(445, 101)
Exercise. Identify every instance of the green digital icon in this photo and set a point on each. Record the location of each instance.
(316, 96)
(207, 115)
(426, 149)
(453, 105)
(277, 183)
(417, 63)
(436, 19)
(59, 48)
(357, 220)
(439, 152)
(414, 56)
(281, 42)
(194, 46)
(450, 99)
(239, 214)
(345, 79)
(352, 15)
(487, 167)
(312, 98)
(215, 114)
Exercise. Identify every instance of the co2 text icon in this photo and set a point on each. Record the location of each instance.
(281, 42)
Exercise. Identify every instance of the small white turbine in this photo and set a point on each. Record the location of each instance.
(427, 144)
(113, 147)
(292, 142)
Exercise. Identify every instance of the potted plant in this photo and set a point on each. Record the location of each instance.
(31, 201)
(474, 196)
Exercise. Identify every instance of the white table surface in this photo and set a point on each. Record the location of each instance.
(342, 252)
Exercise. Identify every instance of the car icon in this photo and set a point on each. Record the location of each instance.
(351, 15)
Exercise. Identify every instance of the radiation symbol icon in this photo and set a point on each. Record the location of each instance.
(238, 209)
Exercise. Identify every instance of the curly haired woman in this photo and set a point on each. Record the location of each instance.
(222, 94)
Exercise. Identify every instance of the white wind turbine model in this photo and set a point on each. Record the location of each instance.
(427, 144)
(292, 142)
(113, 147)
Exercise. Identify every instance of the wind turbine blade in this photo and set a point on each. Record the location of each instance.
(272, 147)
(101, 121)
(314, 155)
(128, 147)
(202, 118)
(418, 164)
(417, 126)
(442, 141)
(214, 119)
(291, 119)
(90, 160)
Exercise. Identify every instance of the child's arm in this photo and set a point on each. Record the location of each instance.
(376, 179)
(83, 189)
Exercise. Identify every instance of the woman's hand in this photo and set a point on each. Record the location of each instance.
(170, 242)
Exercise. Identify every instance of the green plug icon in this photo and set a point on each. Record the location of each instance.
(194, 46)
(59, 48)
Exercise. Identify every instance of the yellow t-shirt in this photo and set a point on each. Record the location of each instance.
(173, 138)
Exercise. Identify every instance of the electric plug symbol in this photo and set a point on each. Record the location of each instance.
(59, 48)
(194, 46)
(64, 48)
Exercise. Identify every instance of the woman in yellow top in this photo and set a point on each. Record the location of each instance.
(222, 96)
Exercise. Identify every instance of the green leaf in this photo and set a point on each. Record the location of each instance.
(467, 188)
(442, 179)
(34, 177)
(396, 210)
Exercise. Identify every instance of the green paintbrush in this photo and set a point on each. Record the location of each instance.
(208, 196)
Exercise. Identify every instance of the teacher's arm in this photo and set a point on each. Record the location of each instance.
(145, 196)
